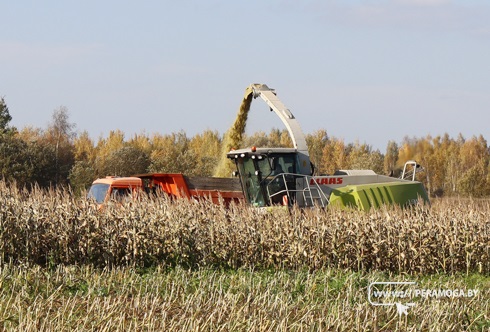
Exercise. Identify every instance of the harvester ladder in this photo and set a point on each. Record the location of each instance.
(314, 194)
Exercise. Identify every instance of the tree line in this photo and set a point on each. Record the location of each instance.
(59, 156)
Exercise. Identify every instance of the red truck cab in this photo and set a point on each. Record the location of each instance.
(115, 187)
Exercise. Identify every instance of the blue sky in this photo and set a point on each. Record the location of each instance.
(370, 71)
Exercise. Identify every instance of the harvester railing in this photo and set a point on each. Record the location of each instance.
(290, 189)
(410, 169)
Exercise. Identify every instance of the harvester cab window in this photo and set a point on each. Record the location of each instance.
(264, 167)
(251, 180)
(280, 179)
(275, 165)
(287, 163)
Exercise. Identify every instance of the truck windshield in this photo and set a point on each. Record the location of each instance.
(98, 192)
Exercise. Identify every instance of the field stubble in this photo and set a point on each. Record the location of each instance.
(82, 298)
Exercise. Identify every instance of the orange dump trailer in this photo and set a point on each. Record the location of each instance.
(175, 185)
(179, 185)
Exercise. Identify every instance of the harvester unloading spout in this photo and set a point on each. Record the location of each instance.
(287, 117)
(292, 125)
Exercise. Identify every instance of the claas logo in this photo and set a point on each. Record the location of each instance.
(327, 181)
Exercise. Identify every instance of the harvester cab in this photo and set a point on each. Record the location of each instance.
(284, 176)
(271, 177)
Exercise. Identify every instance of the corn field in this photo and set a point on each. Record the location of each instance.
(52, 227)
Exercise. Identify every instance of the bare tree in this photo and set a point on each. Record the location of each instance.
(61, 133)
